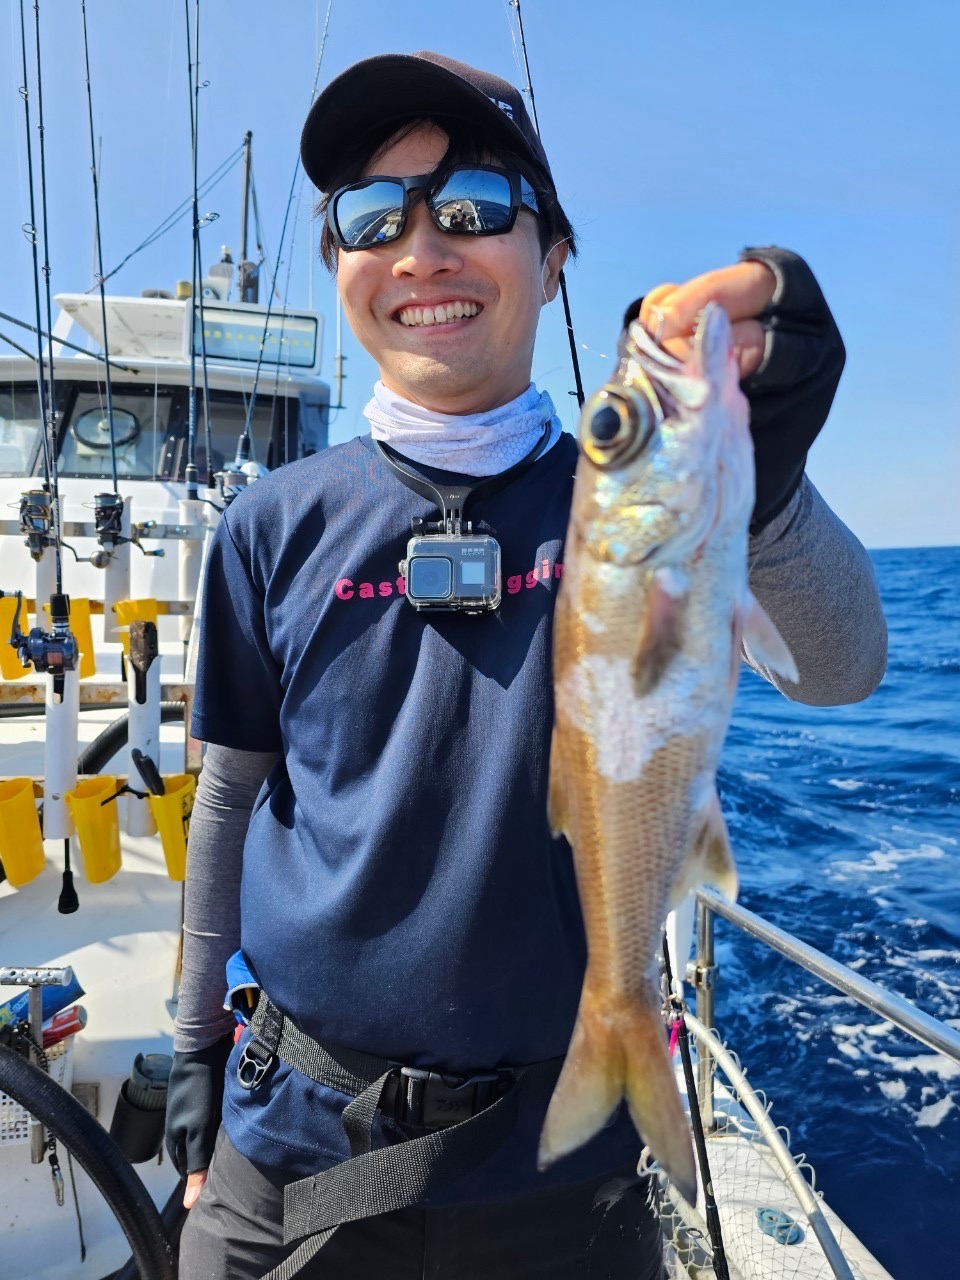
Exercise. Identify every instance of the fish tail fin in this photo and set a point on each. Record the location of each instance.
(591, 1084)
(619, 1053)
(654, 1101)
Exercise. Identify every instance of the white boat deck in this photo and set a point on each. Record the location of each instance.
(122, 944)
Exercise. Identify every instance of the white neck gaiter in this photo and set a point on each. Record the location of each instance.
(475, 444)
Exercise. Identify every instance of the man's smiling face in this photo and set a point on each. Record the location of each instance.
(479, 359)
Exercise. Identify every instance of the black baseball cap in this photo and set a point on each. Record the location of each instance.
(402, 86)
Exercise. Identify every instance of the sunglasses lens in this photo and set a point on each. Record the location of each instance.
(473, 201)
(369, 215)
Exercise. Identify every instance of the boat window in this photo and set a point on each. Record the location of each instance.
(20, 427)
(141, 421)
(228, 413)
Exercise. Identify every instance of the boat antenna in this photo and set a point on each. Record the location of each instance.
(247, 280)
(45, 390)
(192, 476)
(99, 274)
(515, 4)
(339, 358)
(244, 443)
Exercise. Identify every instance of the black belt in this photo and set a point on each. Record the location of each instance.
(466, 1118)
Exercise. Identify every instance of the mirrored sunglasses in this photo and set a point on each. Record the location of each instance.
(480, 201)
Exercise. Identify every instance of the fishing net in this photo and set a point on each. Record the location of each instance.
(769, 1209)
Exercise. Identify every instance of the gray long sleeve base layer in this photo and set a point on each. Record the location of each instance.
(226, 793)
(806, 568)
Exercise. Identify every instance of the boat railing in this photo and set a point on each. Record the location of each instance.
(714, 1057)
(702, 973)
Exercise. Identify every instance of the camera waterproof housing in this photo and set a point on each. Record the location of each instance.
(448, 566)
(449, 572)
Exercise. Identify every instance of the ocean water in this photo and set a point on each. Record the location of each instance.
(845, 822)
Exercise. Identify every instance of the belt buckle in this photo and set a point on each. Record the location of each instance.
(432, 1100)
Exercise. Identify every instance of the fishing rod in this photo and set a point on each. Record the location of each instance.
(515, 4)
(244, 443)
(30, 230)
(182, 209)
(676, 1007)
(51, 649)
(17, 347)
(286, 295)
(191, 474)
(51, 384)
(96, 223)
(60, 342)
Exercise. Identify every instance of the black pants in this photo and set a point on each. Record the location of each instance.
(608, 1229)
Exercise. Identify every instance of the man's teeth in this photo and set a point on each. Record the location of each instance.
(440, 314)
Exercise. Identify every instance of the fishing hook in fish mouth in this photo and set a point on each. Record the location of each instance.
(660, 323)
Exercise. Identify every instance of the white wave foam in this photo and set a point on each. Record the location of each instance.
(895, 1090)
(888, 858)
(845, 784)
(931, 1064)
(929, 1117)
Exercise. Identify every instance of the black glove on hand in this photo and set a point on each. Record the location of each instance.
(791, 392)
(195, 1105)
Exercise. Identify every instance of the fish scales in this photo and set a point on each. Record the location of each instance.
(647, 637)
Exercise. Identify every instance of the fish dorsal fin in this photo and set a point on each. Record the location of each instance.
(662, 628)
(764, 642)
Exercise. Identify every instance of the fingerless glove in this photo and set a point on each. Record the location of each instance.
(195, 1105)
(791, 392)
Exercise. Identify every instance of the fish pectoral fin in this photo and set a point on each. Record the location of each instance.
(710, 860)
(589, 1088)
(714, 853)
(662, 629)
(764, 641)
(556, 813)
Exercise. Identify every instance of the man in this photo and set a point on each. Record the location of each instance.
(410, 923)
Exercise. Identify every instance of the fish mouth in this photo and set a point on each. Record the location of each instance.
(416, 315)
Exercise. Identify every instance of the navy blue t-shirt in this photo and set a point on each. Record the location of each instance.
(402, 893)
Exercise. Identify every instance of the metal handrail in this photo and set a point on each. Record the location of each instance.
(922, 1026)
(709, 1045)
(702, 974)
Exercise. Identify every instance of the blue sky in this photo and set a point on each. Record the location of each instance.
(677, 135)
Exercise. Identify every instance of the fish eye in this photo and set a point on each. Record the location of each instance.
(606, 424)
(615, 421)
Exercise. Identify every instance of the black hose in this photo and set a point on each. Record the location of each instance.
(106, 745)
(114, 737)
(97, 1153)
(173, 1215)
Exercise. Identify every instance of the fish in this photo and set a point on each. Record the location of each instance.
(650, 615)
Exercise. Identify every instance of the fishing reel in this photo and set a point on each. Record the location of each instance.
(108, 524)
(52, 652)
(234, 479)
(36, 521)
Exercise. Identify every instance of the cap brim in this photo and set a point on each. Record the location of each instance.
(398, 87)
